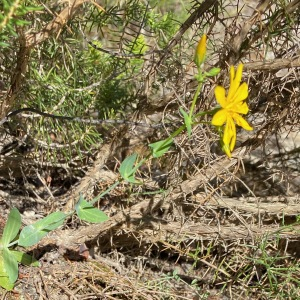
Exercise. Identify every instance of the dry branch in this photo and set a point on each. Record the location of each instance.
(137, 222)
(33, 39)
(238, 39)
(175, 232)
(273, 65)
(278, 205)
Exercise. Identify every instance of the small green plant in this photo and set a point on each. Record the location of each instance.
(276, 274)
(31, 235)
(10, 258)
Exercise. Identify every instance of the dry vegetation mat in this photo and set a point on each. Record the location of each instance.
(86, 85)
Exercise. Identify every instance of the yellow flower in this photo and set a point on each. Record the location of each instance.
(233, 105)
(200, 51)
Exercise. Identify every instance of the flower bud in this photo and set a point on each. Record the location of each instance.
(200, 51)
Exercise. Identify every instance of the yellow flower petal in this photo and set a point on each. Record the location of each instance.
(229, 131)
(232, 88)
(235, 80)
(220, 96)
(241, 122)
(226, 149)
(219, 118)
(229, 136)
(241, 93)
(233, 139)
(240, 108)
(239, 73)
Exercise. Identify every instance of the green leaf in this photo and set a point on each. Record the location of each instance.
(127, 169)
(187, 121)
(87, 212)
(2, 44)
(33, 8)
(12, 227)
(25, 258)
(21, 22)
(32, 234)
(213, 72)
(10, 265)
(161, 147)
(4, 279)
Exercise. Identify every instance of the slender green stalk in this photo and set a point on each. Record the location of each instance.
(195, 99)
(105, 192)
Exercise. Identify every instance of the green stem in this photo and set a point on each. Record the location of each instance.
(209, 112)
(105, 192)
(195, 99)
(174, 134)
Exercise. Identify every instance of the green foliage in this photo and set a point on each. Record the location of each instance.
(87, 212)
(9, 262)
(161, 147)
(62, 91)
(212, 72)
(187, 121)
(4, 278)
(277, 277)
(11, 228)
(69, 77)
(31, 235)
(9, 259)
(10, 265)
(12, 14)
(162, 25)
(76, 79)
(128, 168)
(24, 258)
